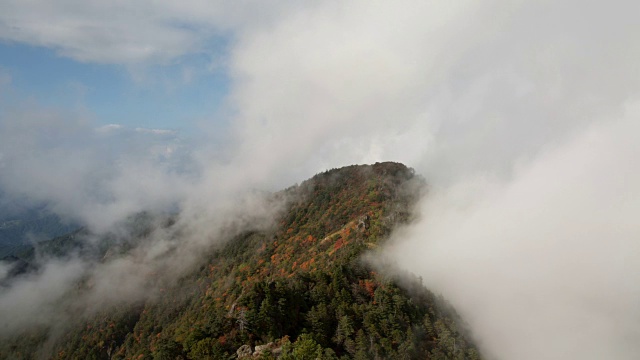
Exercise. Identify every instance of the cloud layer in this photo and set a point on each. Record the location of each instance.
(544, 265)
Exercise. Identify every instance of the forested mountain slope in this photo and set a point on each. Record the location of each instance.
(15, 232)
(298, 291)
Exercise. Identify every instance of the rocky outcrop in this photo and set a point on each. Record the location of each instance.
(363, 222)
(261, 349)
(244, 352)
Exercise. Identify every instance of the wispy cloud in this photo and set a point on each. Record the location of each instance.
(124, 32)
(156, 131)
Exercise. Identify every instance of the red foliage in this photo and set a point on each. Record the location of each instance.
(369, 286)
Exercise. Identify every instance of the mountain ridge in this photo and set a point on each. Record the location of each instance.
(300, 290)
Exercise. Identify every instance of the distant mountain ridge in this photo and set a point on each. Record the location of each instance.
(18, 232)
(23, 259)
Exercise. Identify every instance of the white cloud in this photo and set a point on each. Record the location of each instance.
(451, 88)
(25, 304)
(109, 128)
(125, 32)
(156, 131)
(545, 265)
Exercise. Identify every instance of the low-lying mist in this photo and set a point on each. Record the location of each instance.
(124, 266)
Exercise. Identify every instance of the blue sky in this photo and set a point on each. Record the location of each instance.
(173, 96)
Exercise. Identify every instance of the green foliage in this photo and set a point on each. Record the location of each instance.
(167, 349)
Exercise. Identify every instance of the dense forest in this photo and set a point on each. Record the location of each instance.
(301, 289)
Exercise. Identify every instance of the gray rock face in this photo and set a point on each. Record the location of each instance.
(363, 222)
(244, 352)
(277, 352)
(260, 349)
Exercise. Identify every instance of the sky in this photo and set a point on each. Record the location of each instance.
(521, 116)
(172, 96)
